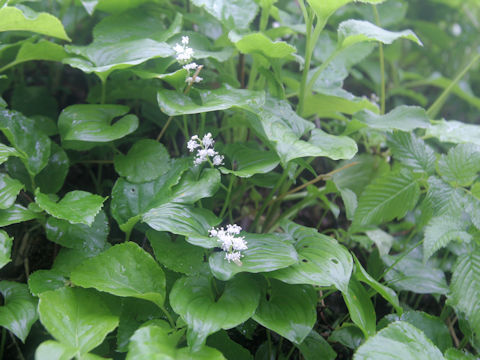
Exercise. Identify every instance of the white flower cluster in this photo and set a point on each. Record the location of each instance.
(230, 243)
(184, 56)
(204, 149)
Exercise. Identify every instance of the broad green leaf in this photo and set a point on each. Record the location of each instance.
(19, 310)
(472, 208)
(79, 236)
(382, 239)
(13, 19)
(329, 106)
(111, 6)
(454, 132)
(412, 152)
(313, 345)
(399, 340)
(258, 43)
(404, 118)
(323, 261)
(46, 280)
(411, 274)
(461, 165)
(229, 348)
(206, 312)
(77, 318)
(177, 254)
(6, 243)
(351, 32)
(233, 13)
(173, 103)
(332, 146)
(348, 335)
(52, 177)
(360, 307)
(350, 202)
(464, 293)
(442, 199)
(191, 189)
(289, 310)
(77, 207)
(153, 342)
(185, 220)
(265, 253)
(146, 160)
(92, 124)
(247, 160)
(16, 214)
(42, 50)
(53, 350)
(387, 197)
(9, 189)
(455, 354)
(388, 294)
(123, 270)
(35, 150)
(441, 230)
(6, 152)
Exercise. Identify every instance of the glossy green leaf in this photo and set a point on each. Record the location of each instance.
(9, 189)
(323, 261)
(13, 19)
(53, 350)
(77, 207)
(92, 124)
(404, 118)
(6, 152)
(6, 243)
(387, 197)
(42, 50)
(464, 293)
(233, 13)
(399, 340)
(329, 106)
(352, 31)
(412, 152)
(146, 160)
(206, 312)
(332, 146)
(454, 354)
(360, 307)
(229, 348)
(123, 270)
(289, 310)
(46, 280)
(173, 103)
(258, 43)
(248, 160)
(454, 132)
(382, 239)
(313, 345)
(35, 149)
(441, 230)
(193, 188)
(153, 342)
(19, 310)
(265, 253)
(52, 177)
(16, 214)
(348, 335)
(77, 318)
(461, 165)
(79, 236)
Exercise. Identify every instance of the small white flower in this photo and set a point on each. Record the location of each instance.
(204, 149)
(235, 257)
(191, 66)
(456, 29)
(185, 40)
(192, 145)
(230, 243)
(217, 160)
(184, 53)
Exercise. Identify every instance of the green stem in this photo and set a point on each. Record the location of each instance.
(103, 95)
(169, 317)
(308, 56)
(382, 65)
(253, 74)
(227, 198)
(264, 18)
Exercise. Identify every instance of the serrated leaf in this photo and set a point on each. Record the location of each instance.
(6, 152)
(206, 312)
(265, 253)
(79, 236)
(323, 261)
(150, 342)
(313, 345)
(9, 189)
(123, 270)
(464, 293)
(77, 207)
(16, 214)
(13, 19)
(5, 248)
(360, 307)
(232, 13)
(248, 160)
(404, 118)
(387, 197)
(412, 152)
(399, 340)
(258, 43)
(35, 150)
(77, 318)
(442, 199)
(454, 132)
(19, 310)
(146, 160)
(82, 126)
(289, 310)
(53, 350)
(46, 280)
(52, 177)
(461, 165)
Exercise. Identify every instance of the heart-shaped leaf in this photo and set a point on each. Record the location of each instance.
(9, 189)
(19, 311)
(289, 310)
(77, 318)
(191, 189)
(206, 312)
(46, 280)
(77, 207)
(5, 248)
(123, 270)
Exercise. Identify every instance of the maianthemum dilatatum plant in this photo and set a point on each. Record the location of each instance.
(242, 179)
